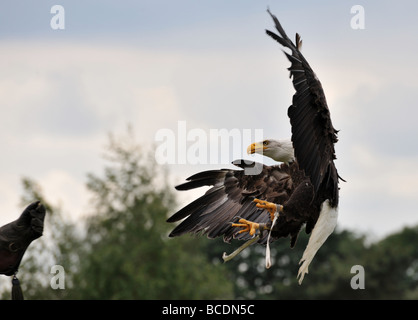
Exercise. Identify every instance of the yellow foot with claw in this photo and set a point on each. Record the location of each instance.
(250, 227)
(269, 206)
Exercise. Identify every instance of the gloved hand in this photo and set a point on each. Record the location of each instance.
(16, 236)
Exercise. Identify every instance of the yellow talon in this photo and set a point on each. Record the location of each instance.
(269, 206)
(250, 227)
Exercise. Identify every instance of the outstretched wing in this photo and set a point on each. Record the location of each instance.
(231, 196)
(313, 134)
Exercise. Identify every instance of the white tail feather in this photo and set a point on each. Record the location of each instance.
(323, 228)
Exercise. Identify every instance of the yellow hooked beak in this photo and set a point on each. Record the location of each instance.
(256, 147)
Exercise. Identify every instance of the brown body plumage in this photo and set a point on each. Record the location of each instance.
(232, 195)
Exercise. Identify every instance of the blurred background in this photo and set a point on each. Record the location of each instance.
(81, 107)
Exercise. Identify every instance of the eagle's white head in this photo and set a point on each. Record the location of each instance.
(278, 150)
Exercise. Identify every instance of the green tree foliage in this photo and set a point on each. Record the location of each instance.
(390, 268)
(329, 273)
(127, 253)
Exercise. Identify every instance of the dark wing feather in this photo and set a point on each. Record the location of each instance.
(230, 197)
(313, 134)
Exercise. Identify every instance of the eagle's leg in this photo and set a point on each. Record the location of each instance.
(271, 207)
(249, 226)
(274, 210)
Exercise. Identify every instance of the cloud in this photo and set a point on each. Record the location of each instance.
(380, 193)
(66, 191)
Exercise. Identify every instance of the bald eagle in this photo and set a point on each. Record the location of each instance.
(279, 201)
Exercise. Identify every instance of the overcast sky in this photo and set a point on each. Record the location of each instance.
(155, 64)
